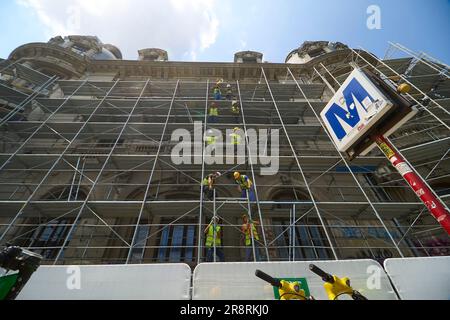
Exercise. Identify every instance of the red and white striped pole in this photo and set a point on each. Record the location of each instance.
(434, 204)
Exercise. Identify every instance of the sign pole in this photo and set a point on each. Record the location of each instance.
(434, 204)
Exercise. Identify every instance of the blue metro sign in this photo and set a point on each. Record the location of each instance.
(349, 114)
(357, 106)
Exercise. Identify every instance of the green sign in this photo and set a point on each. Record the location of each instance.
(6, 283)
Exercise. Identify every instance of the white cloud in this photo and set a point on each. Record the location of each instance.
(177, 26)
(243, 44)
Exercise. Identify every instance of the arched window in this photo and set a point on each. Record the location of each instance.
(307, 236)
(69, 193)
(288, 194)
(51, 233)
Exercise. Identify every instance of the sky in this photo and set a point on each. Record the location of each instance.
(212, 30)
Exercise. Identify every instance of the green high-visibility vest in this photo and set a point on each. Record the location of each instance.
(210, 140)
(210, 236)
(244, 182)
(248, 235)
(213, 111)
(235, 108)
(235, 138)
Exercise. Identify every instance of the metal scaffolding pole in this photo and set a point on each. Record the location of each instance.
(55, 163)
(418, 57)
(73, 180)
(412, 85)
(348, 166)
(214, 225)
(200, 213)
(28, 99)
(44, 123)
(299, 166)
(147, 189)
(294, 236)
(437, 164)
(69, 233)
(250, 160)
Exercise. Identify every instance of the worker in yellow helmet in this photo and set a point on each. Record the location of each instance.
(235, 110)
(235, 137)
(247, 228)
(214, 240)
(245, 186)
(210, 137)
(217, 93)
(213, 113)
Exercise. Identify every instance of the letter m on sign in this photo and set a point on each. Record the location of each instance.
(354, 95)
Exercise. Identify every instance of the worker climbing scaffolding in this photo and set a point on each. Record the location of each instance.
(229, 92)
(217, 92)
(213, 113)
(251, 238)
(245, 186)
(235, 110)
(214, 241)
(235, 136)
(208, 184)
(210, 137)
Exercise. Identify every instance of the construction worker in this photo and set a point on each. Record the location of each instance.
(247, 228)
(235, 110)
(208, 185)
(213, 114)
(245, 186)
(217, 92)
(229, 92)
(210, 137)
(235, 137)
(214, 239)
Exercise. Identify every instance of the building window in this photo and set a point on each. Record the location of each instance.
(310, 240)
(137, 253)
(177, 242)
(287, 195)
(316, 52)
(50, 236)
(70, 193)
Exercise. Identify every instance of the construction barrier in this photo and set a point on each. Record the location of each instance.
(224, 281)
(420, 278)
(110, 282)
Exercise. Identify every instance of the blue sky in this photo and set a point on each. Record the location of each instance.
(211, 30)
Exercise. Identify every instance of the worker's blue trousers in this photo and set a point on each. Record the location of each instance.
(251, 194)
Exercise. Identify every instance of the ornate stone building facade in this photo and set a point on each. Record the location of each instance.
(87, 175)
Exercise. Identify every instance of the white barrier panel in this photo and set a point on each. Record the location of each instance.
(237, 281)
(109, 282)
(420, 278)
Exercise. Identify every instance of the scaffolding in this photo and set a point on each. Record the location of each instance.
(87, 177)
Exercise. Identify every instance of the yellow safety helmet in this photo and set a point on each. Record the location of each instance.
(404, 88)
(236, 175)
(236, 129)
